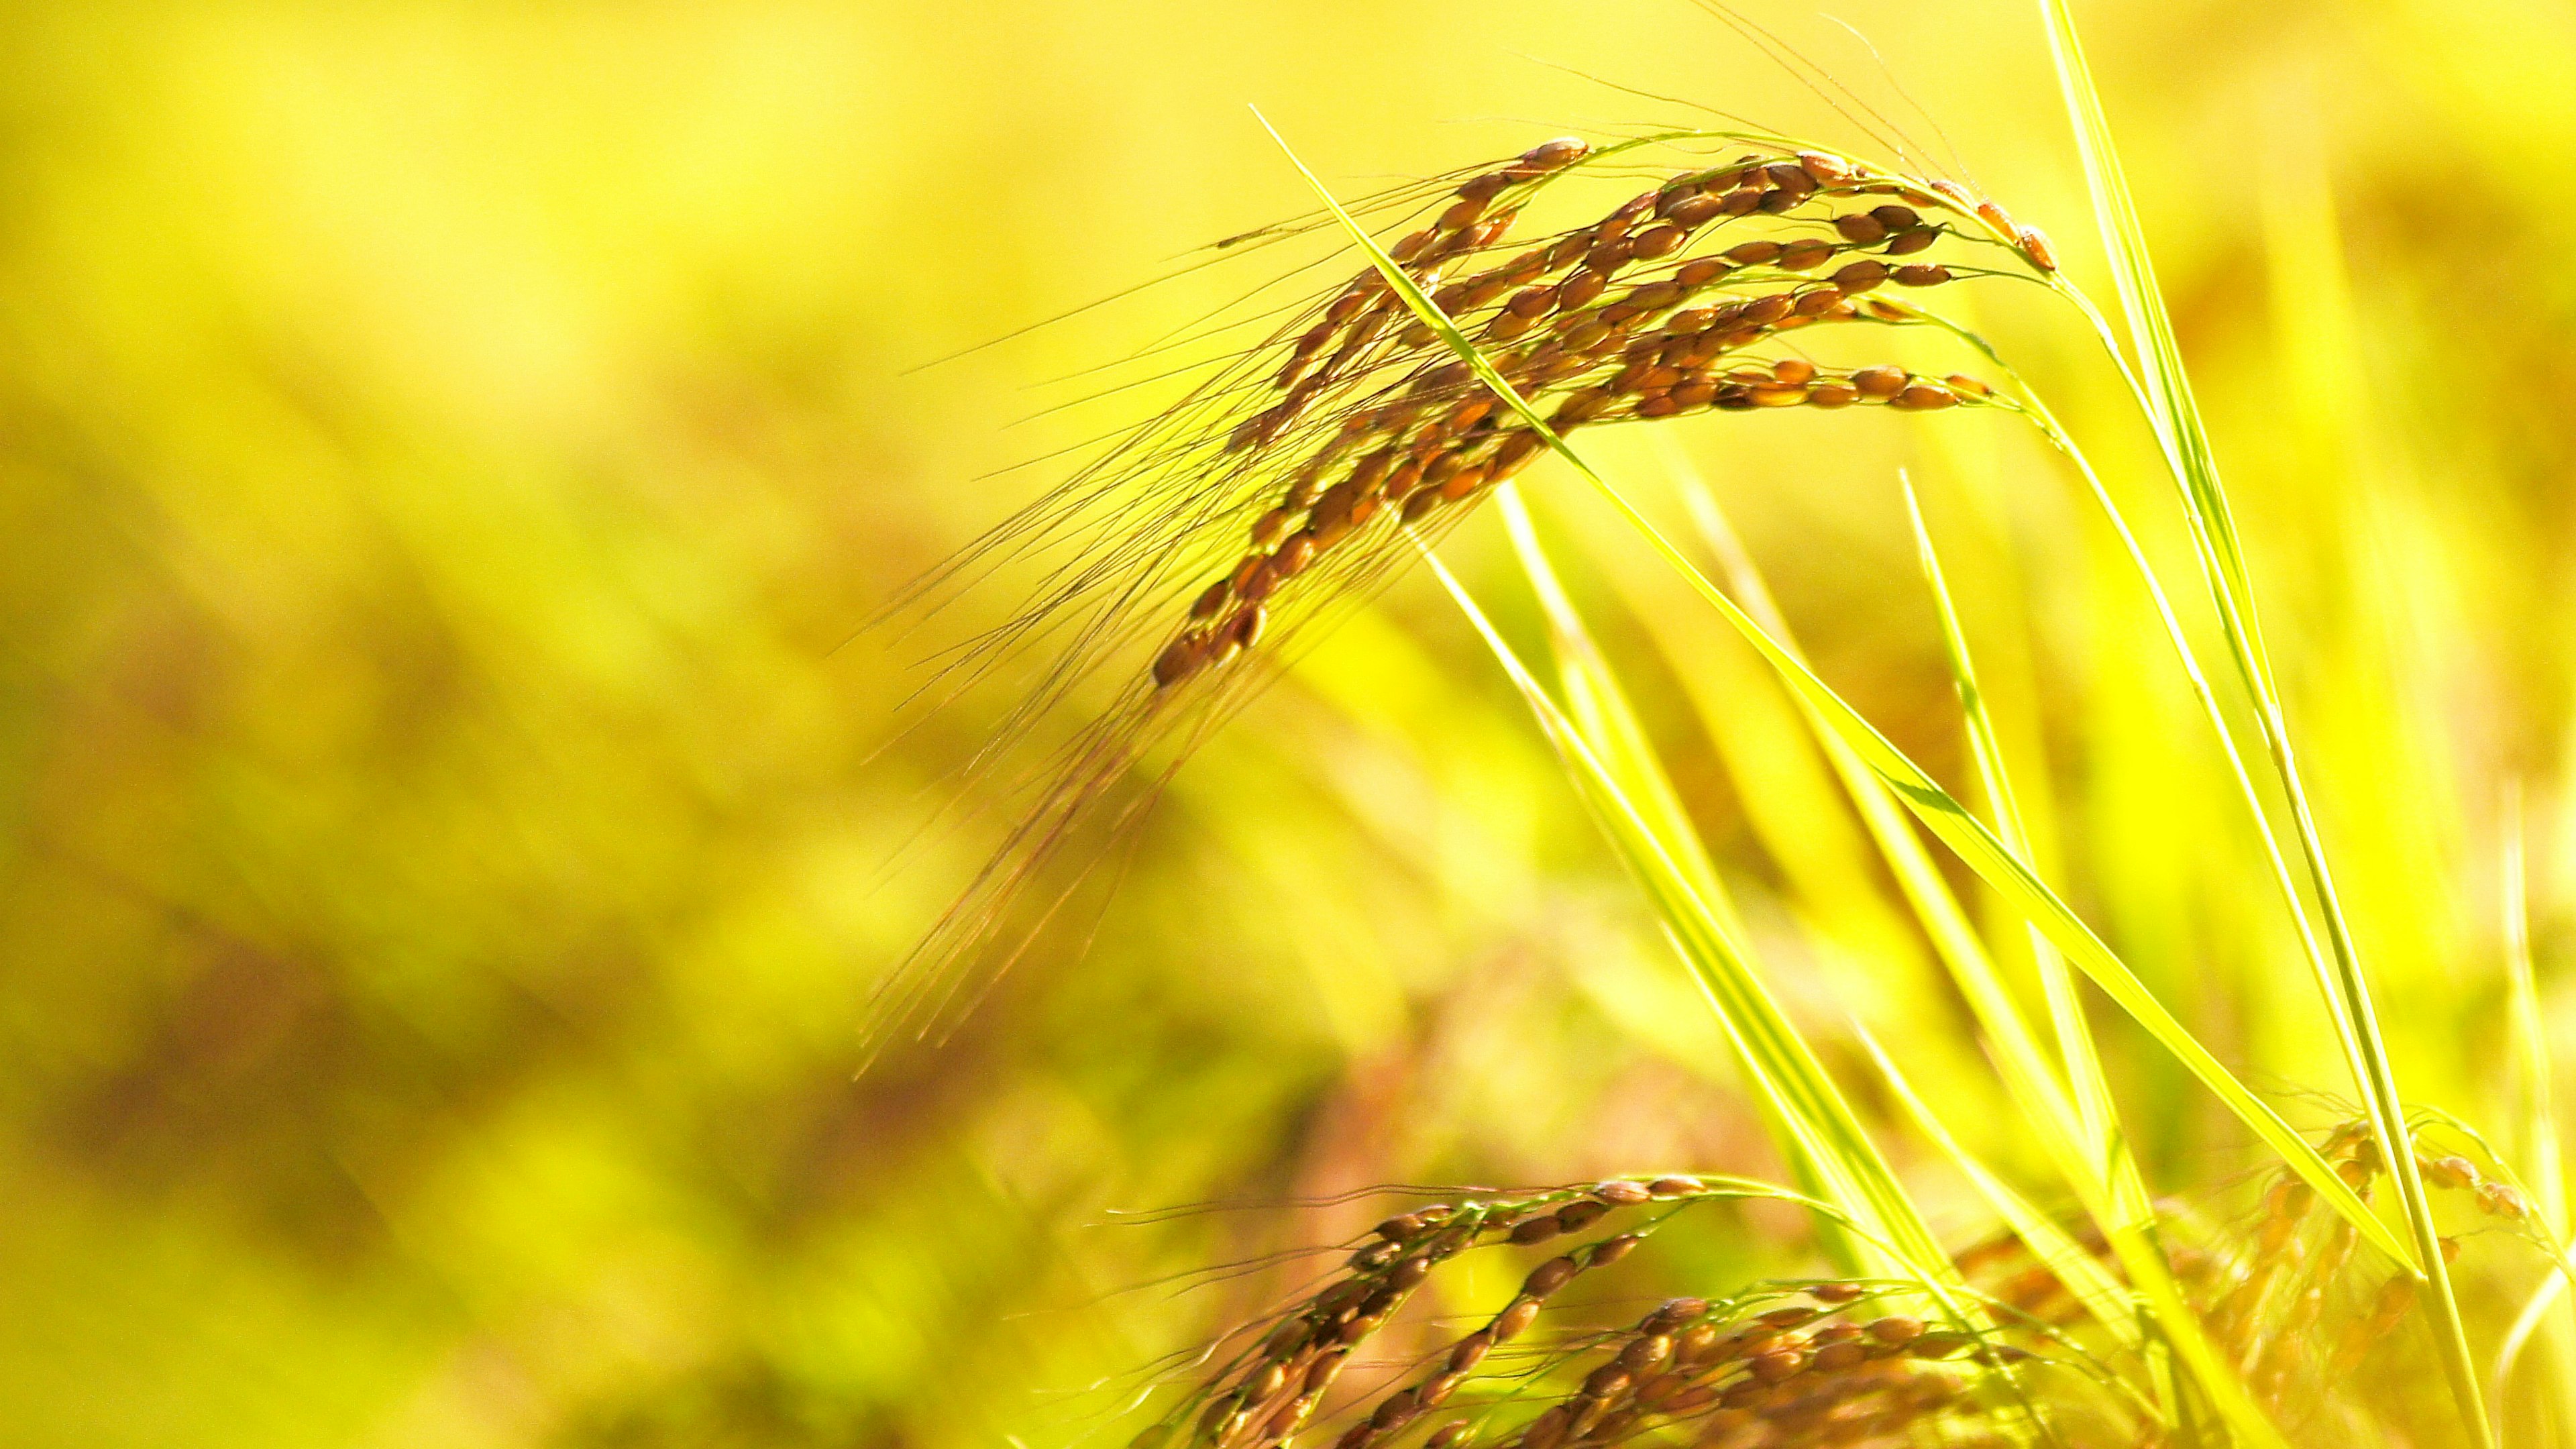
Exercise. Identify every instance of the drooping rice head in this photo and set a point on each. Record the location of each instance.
(1283, 484)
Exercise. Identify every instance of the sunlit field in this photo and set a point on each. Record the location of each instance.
(552, 898)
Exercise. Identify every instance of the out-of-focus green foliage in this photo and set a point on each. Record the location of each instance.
(444, 449)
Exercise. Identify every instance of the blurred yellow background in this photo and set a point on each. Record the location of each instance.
(444, 448)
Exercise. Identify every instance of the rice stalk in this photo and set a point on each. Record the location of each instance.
(2185, 439)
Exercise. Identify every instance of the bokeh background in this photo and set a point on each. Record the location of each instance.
(448, 842)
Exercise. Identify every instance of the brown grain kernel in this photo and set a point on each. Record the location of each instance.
(1895, 1329)
(2451, 1172)
(1179, 660)
(1908, 243)
(1607, 1382)
(1695, 213)
(1609, 256)
(1436, 1390)
(1939, 1345)
(1789, 1317)
(1514, 1320)
(1660, 1390)
(1264, 581)
(1655, 296)
(1763, 311)
(1893, 218)
(1531, 302)
(1593, 336)
(1659, 405)
(1410, 1272)
(1622, 1191)
(1859, 277)
(1212, 599)
(1579, 289)
(1818, 302)
(1742, 201)
(1966, 386)
(1611, 1250)
(1673, 1186)
(1751, 1395)
(1879, 381)
(1575, 1216)
(1921, 274)
(1777, 395)
(1671, 1315)
(1860, 229)
(1924, 397)
(2034, 245)
(1696, 1344)
(1356, 1436)
(1994, 217)
(2497, 1200)
(1825, 170)
(1753, 253)
(1663, 241)
(1410, 247)
(1803, 255)
(1549, 155)
(1392, 1410)
(1549, 1276)
(1830, 394)
(1463, 482)
(1778, 1365)
(1470, 1351)
(1834, 1358)
(1789, 176)
(1270, 1380)
(1447, 1435)
(1779, 200)
(1646, 1355)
